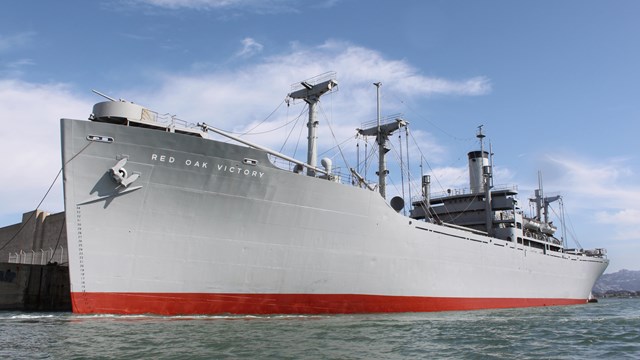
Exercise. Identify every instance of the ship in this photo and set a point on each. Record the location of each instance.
(163, 219)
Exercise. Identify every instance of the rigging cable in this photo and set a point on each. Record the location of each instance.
(401, 169)
(248, 132)
(438, 181)
(299, 137)
(566, 226)
(337, 146)
(369, 153)
(427, 120)
(366, 145)
(334, 138)
(44, 197)
(358, 155)
(297, 118)
(406, 138)
(58, 242)
(398, 155)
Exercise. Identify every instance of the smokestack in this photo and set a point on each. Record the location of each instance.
(477, 161)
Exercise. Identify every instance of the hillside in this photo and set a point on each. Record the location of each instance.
(618, 283)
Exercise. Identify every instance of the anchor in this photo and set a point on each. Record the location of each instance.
(120, 175)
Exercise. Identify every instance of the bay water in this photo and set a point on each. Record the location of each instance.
(609, 329)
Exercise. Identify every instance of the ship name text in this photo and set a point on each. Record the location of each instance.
(171, 160)
(241, 171)
(204, 165)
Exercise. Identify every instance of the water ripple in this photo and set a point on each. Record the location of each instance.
(609, 329)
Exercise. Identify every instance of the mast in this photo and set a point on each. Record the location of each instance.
(381, 130)
(382, 165)
(543, 202)
(487, 175)
(539, 194)
(406, 138)
(311, 95)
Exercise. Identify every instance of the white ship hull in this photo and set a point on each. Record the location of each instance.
(204, 231)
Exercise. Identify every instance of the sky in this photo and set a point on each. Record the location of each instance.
(554, 85)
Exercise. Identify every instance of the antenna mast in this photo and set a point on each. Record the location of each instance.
(487, 181)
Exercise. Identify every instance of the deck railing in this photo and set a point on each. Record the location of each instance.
(463, 191)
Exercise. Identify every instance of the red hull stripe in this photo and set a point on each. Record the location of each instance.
(195, 303)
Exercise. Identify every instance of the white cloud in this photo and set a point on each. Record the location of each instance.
(625, 223)
(240, 96)
(30, 142)
(10, 42)
(260, 6)
(250, 47)
(20, 63)
(622, 217)
(449, 178)
(605, 194)
(195, 4)
(16, 68)
(610, 184)
(238, 99)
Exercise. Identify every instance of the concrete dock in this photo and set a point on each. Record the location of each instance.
(34, 272)
(28, 287)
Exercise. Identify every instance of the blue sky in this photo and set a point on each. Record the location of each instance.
(555, 84)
